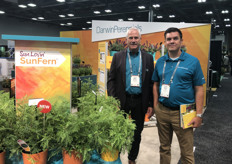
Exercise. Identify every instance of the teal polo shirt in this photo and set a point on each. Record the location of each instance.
(188, 75)
(135, 67)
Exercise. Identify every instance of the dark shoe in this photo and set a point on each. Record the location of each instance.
(131, 162)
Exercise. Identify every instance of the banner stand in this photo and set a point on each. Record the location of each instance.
(43, 68)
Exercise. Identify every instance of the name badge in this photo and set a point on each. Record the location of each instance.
(135, 81)
(165, 89)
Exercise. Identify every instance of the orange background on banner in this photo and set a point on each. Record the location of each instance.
(44, 82)
(196, 39)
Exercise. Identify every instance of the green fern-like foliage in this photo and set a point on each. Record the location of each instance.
(113, 129)
(7, 121)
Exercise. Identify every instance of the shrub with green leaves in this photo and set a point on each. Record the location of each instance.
(29, 127)
(37, 129)
(55, 119)
(86, 86)
(7, 121)
(112, 128)
(76, 60)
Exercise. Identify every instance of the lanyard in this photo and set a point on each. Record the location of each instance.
(172, 73)
(128, 54)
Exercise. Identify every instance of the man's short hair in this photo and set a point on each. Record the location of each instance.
(173, 29)
(131, 29)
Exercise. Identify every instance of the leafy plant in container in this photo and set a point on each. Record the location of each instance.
(6, 84)
(151, 48)
(116, 45)
(55, 119)
(76, 60)
(7, 122)
(76, 138)
(30, 128)
(113, 130)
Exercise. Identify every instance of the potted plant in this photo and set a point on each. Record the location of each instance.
(113, 130)
(7, 122)
(29, 127)
(39, 130)
(115, 46)
(151, 48)
(6, 84)
(84, 72)
(76, 139)
(55, 119)
(76, 60)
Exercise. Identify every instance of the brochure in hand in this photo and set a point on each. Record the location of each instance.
(187, 113)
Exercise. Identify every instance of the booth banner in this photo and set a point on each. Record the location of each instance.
(102, 72)
(105, 30)
(43, 70)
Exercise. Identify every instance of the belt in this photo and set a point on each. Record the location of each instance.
(172, 108)
(133, 96)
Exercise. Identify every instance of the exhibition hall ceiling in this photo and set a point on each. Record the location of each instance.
(78, 14)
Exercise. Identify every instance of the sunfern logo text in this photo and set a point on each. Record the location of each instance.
(39, 58)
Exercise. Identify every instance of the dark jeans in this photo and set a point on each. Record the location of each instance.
(133, 106)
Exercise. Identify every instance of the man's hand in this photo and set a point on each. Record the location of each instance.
(150, 112)
(196, 122)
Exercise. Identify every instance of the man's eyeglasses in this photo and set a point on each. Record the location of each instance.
(131, 37)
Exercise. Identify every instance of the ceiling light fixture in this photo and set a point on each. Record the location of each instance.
(22, 6)
(83, 28)
(156, 5)
(62, 16)
(108, 11)
(159, 17)
(130, 19)
(120, 20)
(71, 15)
(69, 24)
(227, 25)
(34, 18)
(172, 16)
(227, 19)
(88, 22)
(60, 0)
(201, 1)
(209, 12)
(225, 11)
(2, 12)
(62, 24)
(141, 7)
(217, 26)
(97, 12)
(41, 18)
(31, 4)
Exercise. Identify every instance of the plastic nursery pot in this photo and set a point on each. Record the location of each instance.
(73, 159)
(2, 157)
(113, 52)
(110, 156)
(39, 158)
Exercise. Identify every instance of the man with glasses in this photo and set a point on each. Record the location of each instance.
(130, 82)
